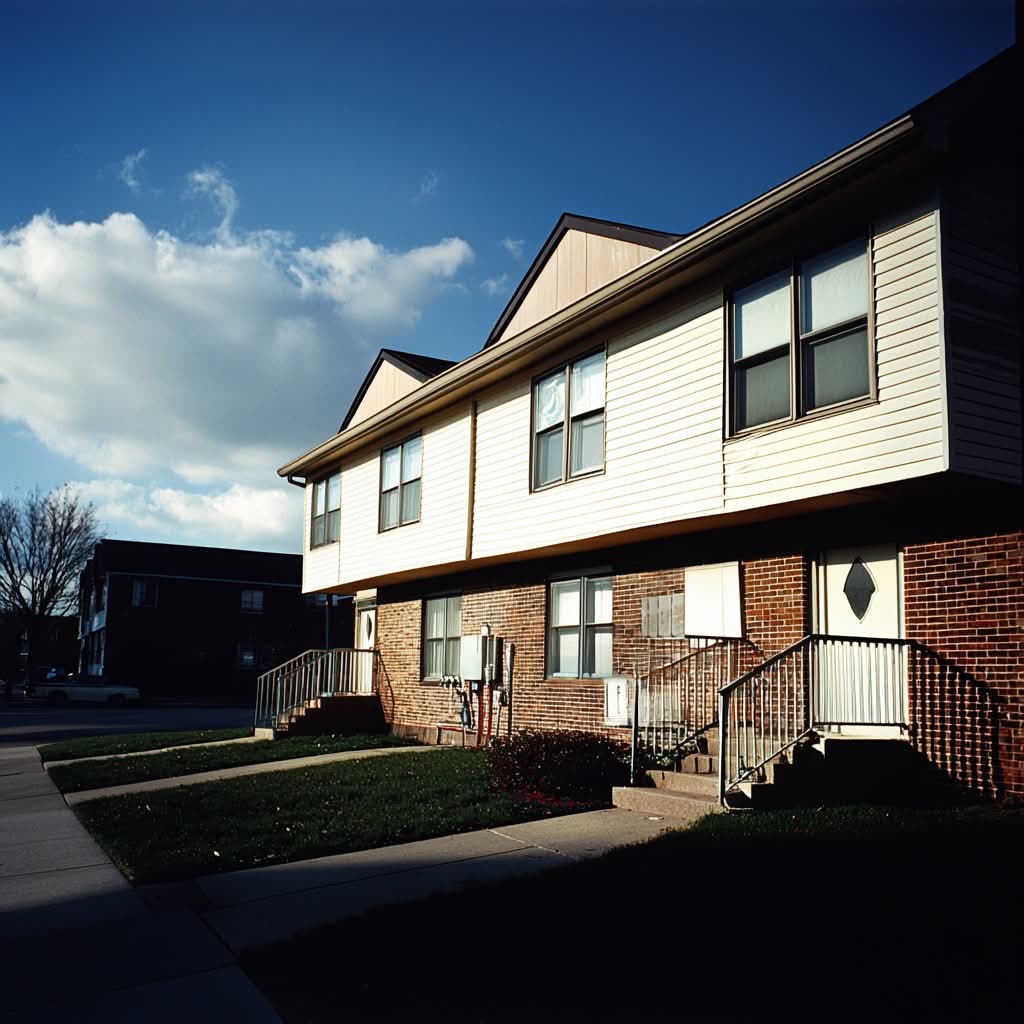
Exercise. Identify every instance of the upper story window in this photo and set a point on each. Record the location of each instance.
(442, 636)
(143, 593)
(800, 338)
(326, 524)
(569, 403)
(580, 627)
(400, 471)
(252, 600)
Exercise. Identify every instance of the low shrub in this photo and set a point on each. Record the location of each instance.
(563, 763)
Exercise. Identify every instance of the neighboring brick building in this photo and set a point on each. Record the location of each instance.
(179, 620)
(796, 429)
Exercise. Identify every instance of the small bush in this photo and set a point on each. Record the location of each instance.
(563, 763)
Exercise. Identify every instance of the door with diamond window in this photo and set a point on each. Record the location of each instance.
(860, 684)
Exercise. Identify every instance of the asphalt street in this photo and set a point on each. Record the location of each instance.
(25, 721)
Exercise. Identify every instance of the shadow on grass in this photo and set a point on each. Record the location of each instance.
(854, 913)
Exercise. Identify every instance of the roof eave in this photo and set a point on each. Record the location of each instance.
(483, 367)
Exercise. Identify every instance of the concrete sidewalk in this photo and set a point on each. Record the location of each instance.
(76, 941)
(79, 943)
(261, 905)
(220, 774)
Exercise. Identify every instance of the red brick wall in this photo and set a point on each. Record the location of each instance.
(776, 606)
(965, 599)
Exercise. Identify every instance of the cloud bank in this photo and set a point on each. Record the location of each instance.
(145, 356)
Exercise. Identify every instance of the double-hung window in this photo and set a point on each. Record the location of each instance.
(326, 523)
(580, 627)
(800, 339)
(252, 601)
(442, 636)
(400, 470)
(144, 593)
(569, 403)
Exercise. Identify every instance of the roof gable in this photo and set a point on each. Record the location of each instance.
(580, 255)
(391, 377)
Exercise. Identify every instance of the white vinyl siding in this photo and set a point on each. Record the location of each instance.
(438, 537)
(663, 442)
(903, 434)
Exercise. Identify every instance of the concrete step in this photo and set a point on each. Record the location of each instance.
(664, 803)
(687, 783)
(700, 764)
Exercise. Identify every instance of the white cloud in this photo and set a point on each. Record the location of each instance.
(129, 172)
(513, 246)
(211, 182)
(147, 357)
(372, 286)
(495, 285)
(236, 516)
(428, 186)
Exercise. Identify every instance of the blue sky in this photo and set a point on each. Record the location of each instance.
(213, 214)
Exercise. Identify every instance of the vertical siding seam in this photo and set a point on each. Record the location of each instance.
(948, 431)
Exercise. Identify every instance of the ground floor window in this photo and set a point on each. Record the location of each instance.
(442, 636)
(580, 627)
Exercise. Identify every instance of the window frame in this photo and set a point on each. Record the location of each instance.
(444, 639)
(583, 627)
(567, 420)
(402, 484)
(141, 584)
(800, 341)
(253, 607)
(324, 485)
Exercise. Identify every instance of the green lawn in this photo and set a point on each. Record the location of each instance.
(857, 913)
(292, 815)
(131, 743)
(74, 778)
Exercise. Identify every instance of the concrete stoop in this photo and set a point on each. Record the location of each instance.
(684, 796)
(339, 716)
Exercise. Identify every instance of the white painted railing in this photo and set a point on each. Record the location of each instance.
(314, 674)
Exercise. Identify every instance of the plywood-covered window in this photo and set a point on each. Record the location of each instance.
(401, 467)
(800, 338)
(568, 421)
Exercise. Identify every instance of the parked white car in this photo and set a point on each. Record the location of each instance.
(72, 689)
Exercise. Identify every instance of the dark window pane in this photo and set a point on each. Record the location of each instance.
(389, 509)
(837, 369)
(548, 467)
(587, 444)
(762, 392)
(411, 502)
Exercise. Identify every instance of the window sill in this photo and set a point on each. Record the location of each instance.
(561, 483)
(818, 414)
(326, 544)
(571, 681)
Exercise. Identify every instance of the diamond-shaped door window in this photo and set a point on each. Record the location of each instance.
(859, 588)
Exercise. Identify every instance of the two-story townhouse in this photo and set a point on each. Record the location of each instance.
(795, 431)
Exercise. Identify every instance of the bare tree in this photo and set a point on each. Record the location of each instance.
(45, 541)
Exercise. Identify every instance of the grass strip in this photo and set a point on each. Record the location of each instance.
(131, 743)
(74, 778)
(293, 815)
(864, 913)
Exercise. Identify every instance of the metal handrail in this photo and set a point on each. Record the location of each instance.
(675, 703)
(313, 675)
(827, 679)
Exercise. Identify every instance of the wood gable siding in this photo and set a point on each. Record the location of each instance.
(581, 263)
(389, 384)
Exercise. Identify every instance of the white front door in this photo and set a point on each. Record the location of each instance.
(366, 641)
(860, 685)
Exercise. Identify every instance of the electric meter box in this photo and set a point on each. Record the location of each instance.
(471, 657)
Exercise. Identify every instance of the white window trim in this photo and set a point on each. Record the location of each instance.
(447, 636)
(582, 627)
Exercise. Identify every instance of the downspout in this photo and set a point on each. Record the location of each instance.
(471, 493)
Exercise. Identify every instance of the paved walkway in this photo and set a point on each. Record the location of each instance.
(241, 770)
(78, 943)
